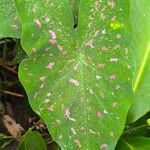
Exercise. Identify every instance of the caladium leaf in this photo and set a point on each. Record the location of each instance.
(78, 80)
(140, 19)
(32, 140)
(9, 22)
(134, 143)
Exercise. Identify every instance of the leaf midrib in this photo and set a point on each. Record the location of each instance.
(142, 67)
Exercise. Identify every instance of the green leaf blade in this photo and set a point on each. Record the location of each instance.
(140, 17)
(84, 92)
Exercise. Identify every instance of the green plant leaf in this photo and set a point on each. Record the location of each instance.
(134, 143)
(81, 83)
(9, 23)
(32, 140)
(140, 20)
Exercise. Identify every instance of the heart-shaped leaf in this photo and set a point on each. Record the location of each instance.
(9, 23)
(140, 19)
(78, 80)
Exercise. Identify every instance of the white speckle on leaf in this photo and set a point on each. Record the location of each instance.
(58, 122)
(75, 67)
(46, 100)
(113, 77)
(42, 78)
(34, 49)
(104, 31)
(114, 105)
(47, 19)
(118, 36)
(105, 112)
(50, 108)
(60, 136)
(90, 91)
(111, 134)
(73, 81)
(102, 16)
(49, 94)
(42, 85)
(103, 146)
(114, 59)
(105, 48)
(91, 131)
(117, 87)
(50, 65)
(90, 44)
(101, 65)
(100, 114)
(73, 131)
(98, 77)
(102, 95)
(14, 27)
(67, 114)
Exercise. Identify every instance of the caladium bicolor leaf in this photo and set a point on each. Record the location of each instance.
(78, 80)
(9, 22)
(32, 140)
(134, 143)
(140, 19)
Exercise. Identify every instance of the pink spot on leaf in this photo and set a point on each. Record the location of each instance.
(111, 4)
(42, 78)
(50, 65)
(77, 142)
(101, 65)
(103, 146)
(100, 115)
(90, 44)
(37, 23)
(49, 94)
(52, 41)
(113, 77)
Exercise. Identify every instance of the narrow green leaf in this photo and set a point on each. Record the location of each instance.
(32, 141)
(134, 143)
(9, 23)
(81, 83)
(140, 19)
